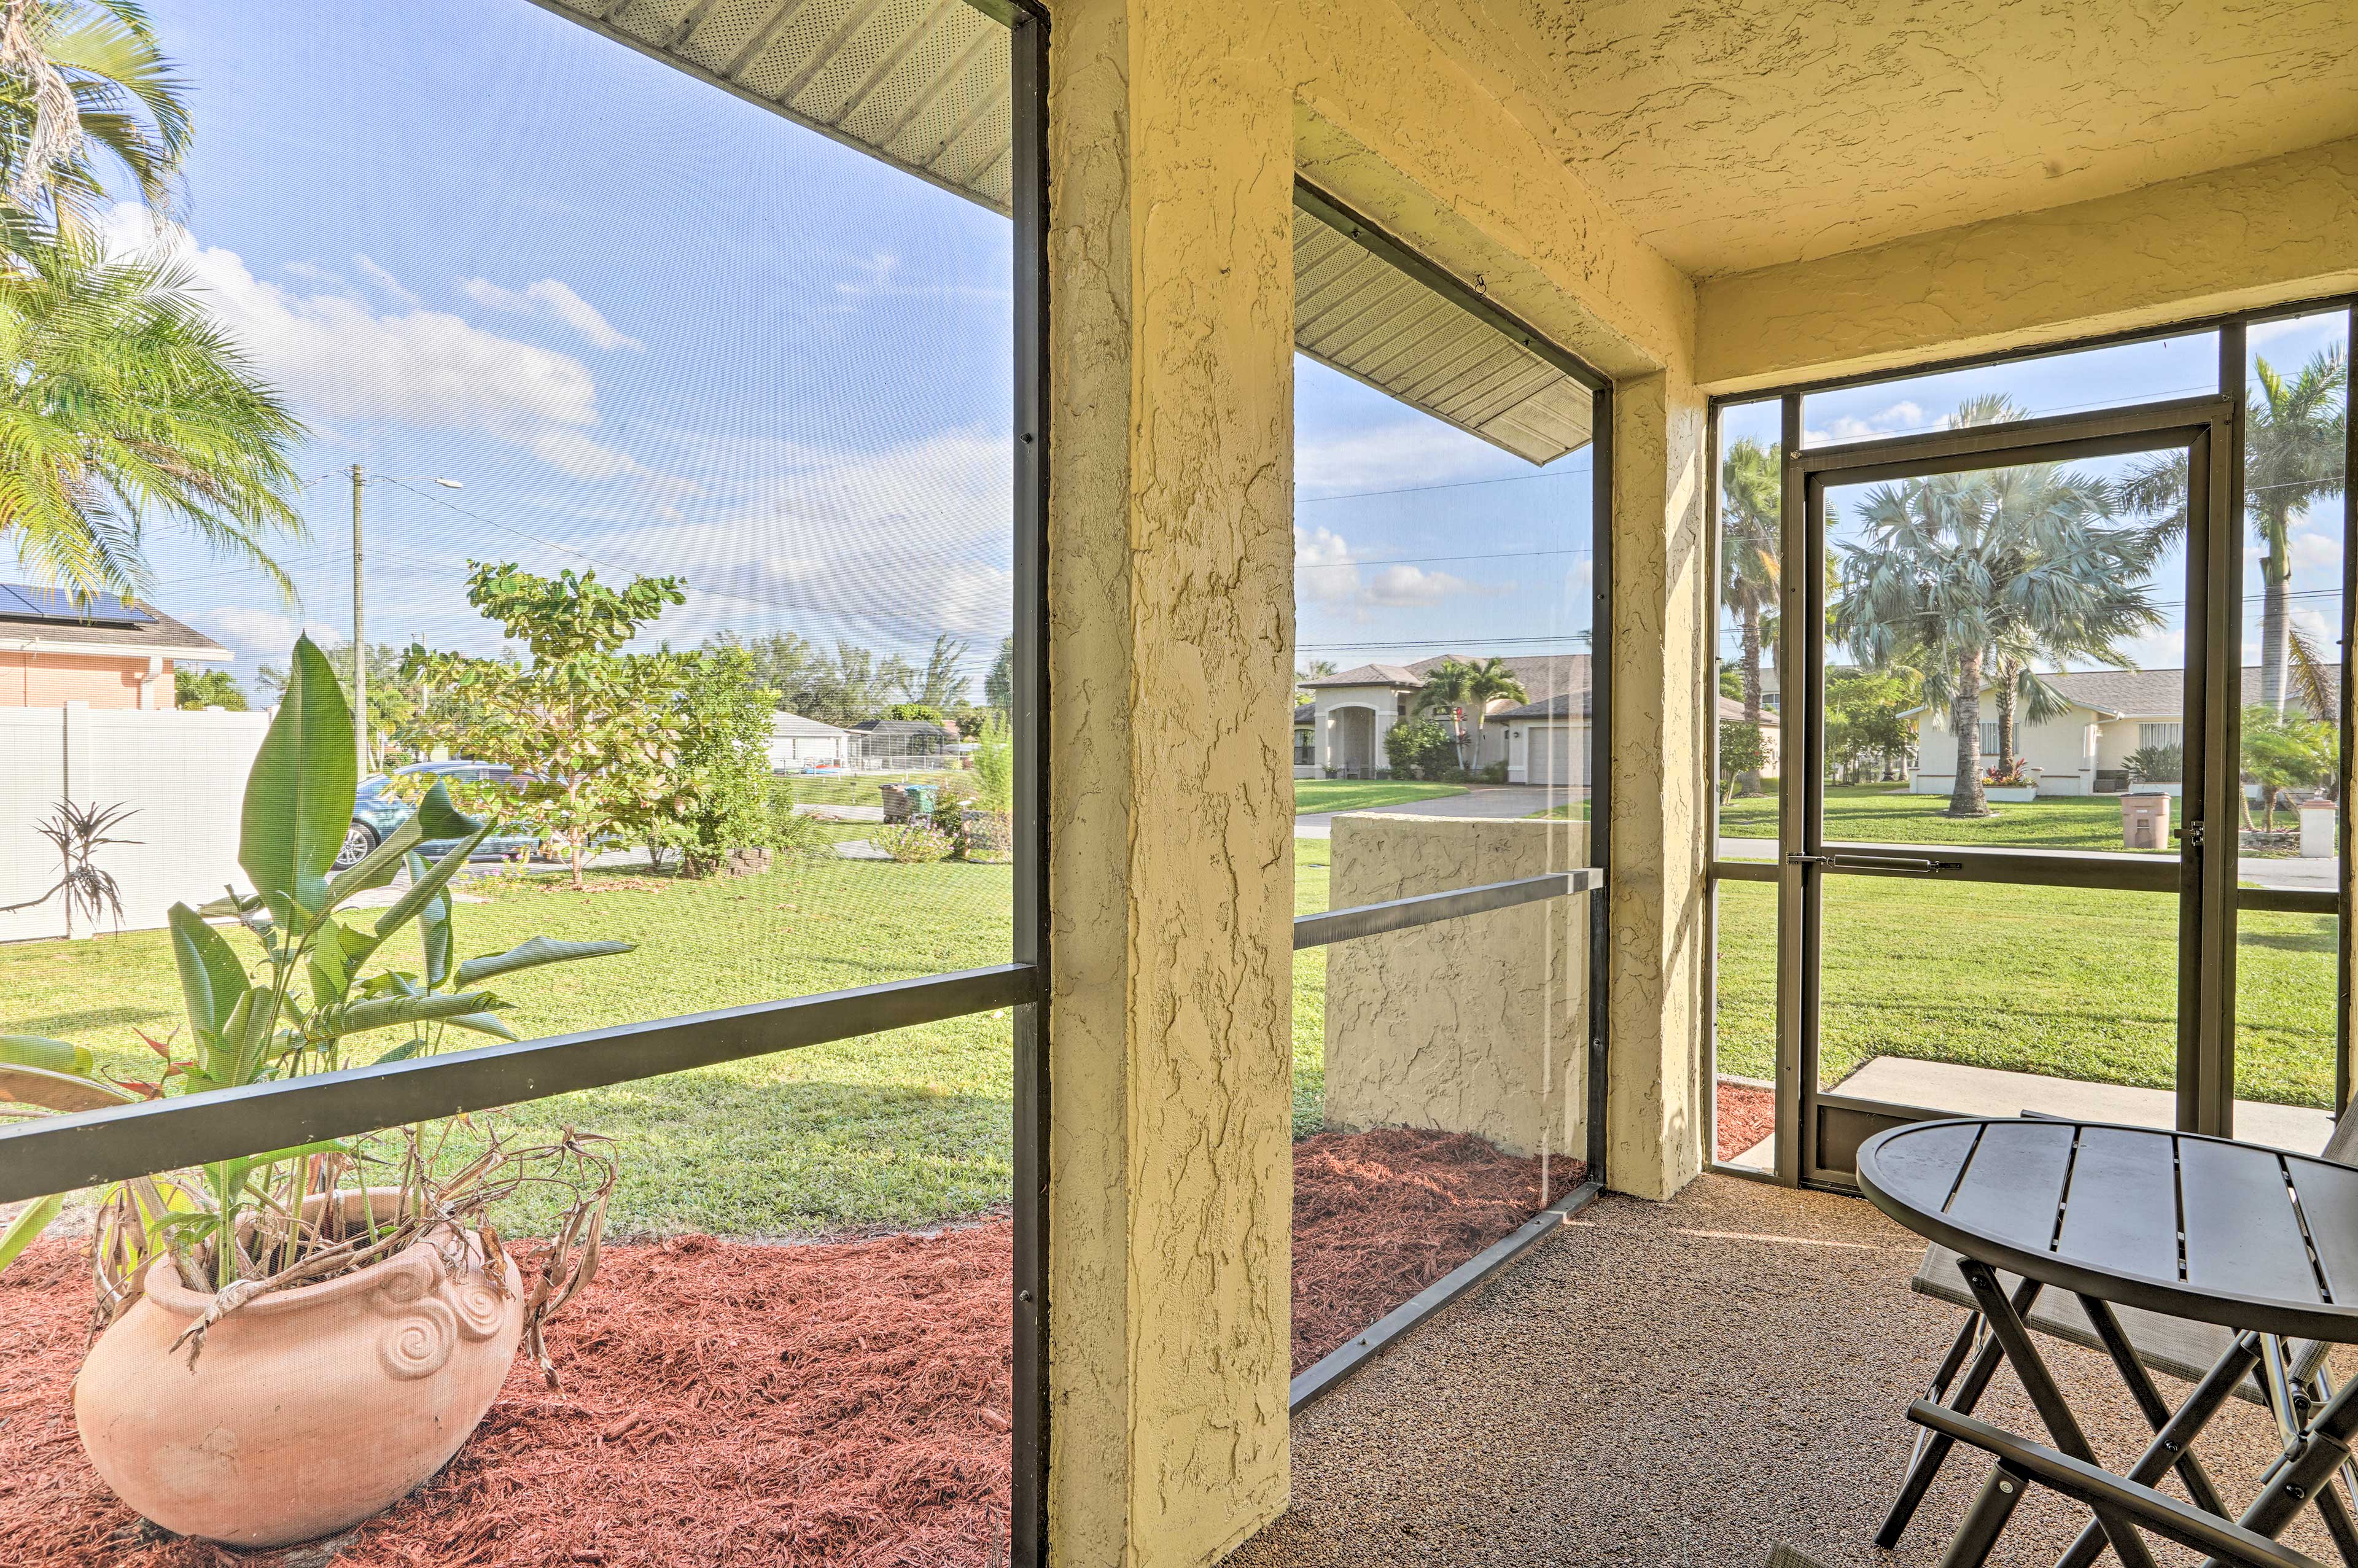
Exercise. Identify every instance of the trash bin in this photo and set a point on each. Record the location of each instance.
(921, 798)
(2319, 822)
(2145, 821)
(896, 801)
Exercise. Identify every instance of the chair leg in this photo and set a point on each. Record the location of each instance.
(1932, 1447)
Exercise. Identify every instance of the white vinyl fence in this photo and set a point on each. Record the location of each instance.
(182, 773)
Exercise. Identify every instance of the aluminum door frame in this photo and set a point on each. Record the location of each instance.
(1819, 1130)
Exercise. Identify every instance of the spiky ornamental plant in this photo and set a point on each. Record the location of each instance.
(239, 1227)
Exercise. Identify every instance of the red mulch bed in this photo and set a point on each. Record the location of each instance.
(1745, 1115)
(844, 1403)
(1380, 1216)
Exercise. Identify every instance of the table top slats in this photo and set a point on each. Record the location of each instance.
(2122, 1209)
(1923, 1169)
(2241, 1235)
(2016, 1181)
(2329, 1197)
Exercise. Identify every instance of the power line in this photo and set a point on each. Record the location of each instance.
(1427, 489)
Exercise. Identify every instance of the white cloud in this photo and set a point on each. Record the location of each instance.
(259, 633)
(340, 358)
(557, 301)
(2315, 549)
(1899, 417)
(1409, 452)
(893, 544)
(1324, 573)
(384, 280)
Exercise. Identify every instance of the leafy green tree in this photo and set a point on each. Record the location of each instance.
(914, 713)
(1460, 689)
(715, 795)
(124, 406)
(592, 732)
(1751, 525)
(855, 685)
(2294, 449)
(782, 661)
(1741, 754)
(998, 686)
(1864, 725)
(2285, 751)
(84, 85)
(1966, 576)
(941, 684)
(207, 688)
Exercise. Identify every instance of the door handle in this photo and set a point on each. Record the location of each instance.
(1913, 865)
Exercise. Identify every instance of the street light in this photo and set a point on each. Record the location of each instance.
(362, 479)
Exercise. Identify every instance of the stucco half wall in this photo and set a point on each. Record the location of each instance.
(1474, 1025)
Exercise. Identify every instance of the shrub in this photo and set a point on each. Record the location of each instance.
(1420, 749)
(1741, 752)
(994, 768)
(912, 843)
(2157, 764)
(1496, 772)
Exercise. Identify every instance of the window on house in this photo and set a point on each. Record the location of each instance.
(2161, 734)
(1989, 738)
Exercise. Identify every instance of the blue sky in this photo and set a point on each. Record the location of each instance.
(651, 327)
(2181, 366)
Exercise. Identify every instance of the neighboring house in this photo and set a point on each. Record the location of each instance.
(900, 738)
(795, 741)
(108, 654)
(2085, 751)
(1542, 740)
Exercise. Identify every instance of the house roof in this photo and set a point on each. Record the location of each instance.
(27, 627)
(1544, 676)
(2142, 694)
(1306, 713)
(899, 727)
(794, 726)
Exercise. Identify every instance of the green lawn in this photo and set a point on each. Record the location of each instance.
(2069, 983)
(1358, 795)
(895, 1130)
(1886, 814)
(853, 789)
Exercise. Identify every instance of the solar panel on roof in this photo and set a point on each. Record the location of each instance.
(21, 601)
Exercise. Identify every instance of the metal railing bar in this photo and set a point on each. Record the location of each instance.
(62, 1154)
(2287, 901)
(1400, 915)
(2142, 425)
(1321, 1376)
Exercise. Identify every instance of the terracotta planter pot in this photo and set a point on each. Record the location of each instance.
(310, 1410)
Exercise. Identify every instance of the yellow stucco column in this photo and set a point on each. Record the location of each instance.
(1656, 1074)
(1170, 704)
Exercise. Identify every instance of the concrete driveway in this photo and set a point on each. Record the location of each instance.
(1492, 801)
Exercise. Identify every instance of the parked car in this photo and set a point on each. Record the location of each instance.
(377, 811)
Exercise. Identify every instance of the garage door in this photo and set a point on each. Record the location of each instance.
(1560, 754)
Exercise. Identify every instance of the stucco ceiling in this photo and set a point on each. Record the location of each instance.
(1738, 134)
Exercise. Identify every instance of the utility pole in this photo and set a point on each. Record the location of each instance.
(360, 633)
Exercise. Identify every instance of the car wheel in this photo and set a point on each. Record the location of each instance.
(359, 840)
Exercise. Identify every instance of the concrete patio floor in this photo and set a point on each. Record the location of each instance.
(1688, 1383)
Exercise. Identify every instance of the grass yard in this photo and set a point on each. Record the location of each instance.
(886, 1131)
(854, 789)
(1358, 795)
(1885, 814)
(2066, 982)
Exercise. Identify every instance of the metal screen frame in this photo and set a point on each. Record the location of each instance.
(2215, 425)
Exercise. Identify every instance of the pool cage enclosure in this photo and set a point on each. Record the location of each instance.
(955, 93)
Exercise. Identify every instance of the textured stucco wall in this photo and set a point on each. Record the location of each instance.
(2260, 233)
(1655, 1109)
(1171, 592)
(1476, 1025)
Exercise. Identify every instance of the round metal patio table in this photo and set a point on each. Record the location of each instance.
(2253, 1239)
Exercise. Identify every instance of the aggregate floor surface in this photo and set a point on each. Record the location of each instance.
(1691, 1384)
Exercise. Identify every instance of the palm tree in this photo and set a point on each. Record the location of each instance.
(1751, 489)
(1971, 577)
(80, 78)
(2293, 454)
(125, 405)
(1458, 687)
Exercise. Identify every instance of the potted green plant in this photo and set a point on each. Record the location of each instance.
(293, 1341)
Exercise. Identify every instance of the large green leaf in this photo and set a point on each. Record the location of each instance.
(434, 818)
(482, 1024)
(422, 889)
(59, 1091)
(533, 953)
(246, 1038)
(38, 1050)
(434, 933)
(28, 1224)
(298, 798)
(211, 979)
(384, 1013)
